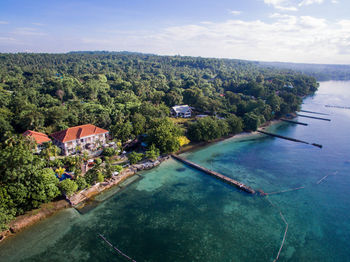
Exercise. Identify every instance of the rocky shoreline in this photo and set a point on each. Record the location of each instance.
(125, 174)
(49, 209)
(37, 215)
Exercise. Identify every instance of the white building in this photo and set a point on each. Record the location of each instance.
(183, 111)
(87, 137)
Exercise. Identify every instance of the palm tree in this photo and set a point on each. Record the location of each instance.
(60, 171)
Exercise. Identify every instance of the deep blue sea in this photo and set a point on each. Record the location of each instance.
(175, 213)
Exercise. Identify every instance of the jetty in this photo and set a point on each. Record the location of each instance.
(314, 117)
(217, 175)
(288, 138)
(341, 107)
(294, 122)
(312, 112)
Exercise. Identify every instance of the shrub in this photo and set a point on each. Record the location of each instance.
(81, 182)
(68, 187)
(109, 151)
(135, 157)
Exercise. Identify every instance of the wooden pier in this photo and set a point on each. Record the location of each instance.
(340, 107)
(216, 175)
(313, 117)
(288, 138)
(294, 122)
(312, 112)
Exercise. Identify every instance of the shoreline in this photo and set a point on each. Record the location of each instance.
(82, 197)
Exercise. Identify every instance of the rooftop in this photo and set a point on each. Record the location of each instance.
(77, 132)
(181, 109)
(37, 136)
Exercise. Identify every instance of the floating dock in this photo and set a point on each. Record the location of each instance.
(293, 122)
(289, 138)
(216, 175)
(313, 117)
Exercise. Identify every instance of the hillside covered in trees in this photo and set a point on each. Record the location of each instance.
(322, 72)
(123, 92)
(130, 95)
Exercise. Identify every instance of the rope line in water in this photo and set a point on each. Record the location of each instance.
(288, 190)
(116, 249)
(285, 231)
(323, 178)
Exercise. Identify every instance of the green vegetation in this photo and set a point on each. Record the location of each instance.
(164, 134)
(321, 72)
(68, 187)
(130, 95)
(207, 128)
(152, 153)
(135, 157)
(25, 182)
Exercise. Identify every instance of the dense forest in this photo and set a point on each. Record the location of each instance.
(129, 94)
(322, 72)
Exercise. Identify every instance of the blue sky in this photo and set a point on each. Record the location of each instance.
(313, 31)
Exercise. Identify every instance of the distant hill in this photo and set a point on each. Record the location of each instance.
(321, 72)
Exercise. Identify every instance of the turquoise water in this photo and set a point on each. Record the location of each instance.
(175, 213)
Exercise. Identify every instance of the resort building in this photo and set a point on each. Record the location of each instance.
(183, 111)
(85, 137)
(39, 138)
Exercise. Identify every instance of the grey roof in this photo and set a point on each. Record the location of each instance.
(181, 109)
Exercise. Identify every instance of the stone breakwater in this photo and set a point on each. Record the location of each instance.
(125, 174)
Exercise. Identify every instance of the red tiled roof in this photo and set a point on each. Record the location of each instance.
(78, 132)
(37, 136)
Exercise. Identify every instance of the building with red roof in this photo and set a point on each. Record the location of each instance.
(38, 137)
(87, 137)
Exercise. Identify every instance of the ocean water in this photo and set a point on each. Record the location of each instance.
(175, 213)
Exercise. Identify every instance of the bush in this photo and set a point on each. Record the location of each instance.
(207, 128)
(152, 153)
(135, 157)
(68, 187)
(183, 140)
(100, 177)
(235, 124)
(109, 151)
(81, 182)
(118, 168)
(98, 161)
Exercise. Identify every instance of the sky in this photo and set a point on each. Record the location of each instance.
(308, 31)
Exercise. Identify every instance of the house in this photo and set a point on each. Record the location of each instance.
(289, 85)
(84, 137)
(39, 138)
(183, 111)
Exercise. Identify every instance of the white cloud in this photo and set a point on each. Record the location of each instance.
(6, 39)
(287, 38)
(38, 24)
(334, 1)
(235, 12)
(310, 2)
(28, 31)
(284, 5)
(292, 5)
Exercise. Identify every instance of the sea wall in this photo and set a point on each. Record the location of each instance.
(125, 174)
(46, 210)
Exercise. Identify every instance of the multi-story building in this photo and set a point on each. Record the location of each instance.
(84, 137)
